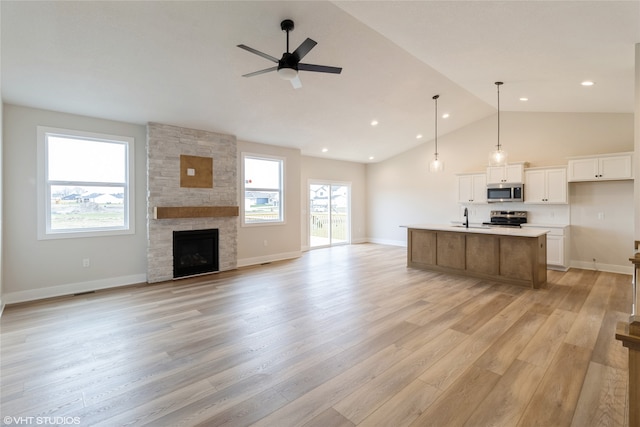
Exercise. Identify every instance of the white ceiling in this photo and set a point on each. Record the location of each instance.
(177, 63)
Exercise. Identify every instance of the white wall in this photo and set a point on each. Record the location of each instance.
(636, 159)
(1, 183)
(36, 269)
(316, 168)
(608, 240)
(402, 191)
(265, 243)
(1, 206)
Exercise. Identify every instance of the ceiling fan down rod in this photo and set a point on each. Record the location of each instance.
(287, 25)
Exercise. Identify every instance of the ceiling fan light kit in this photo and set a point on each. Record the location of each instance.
(287, 73)
(289, 65)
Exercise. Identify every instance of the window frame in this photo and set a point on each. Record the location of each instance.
(44, 185)
(282, 190)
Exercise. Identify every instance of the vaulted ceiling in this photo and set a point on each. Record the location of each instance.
(177, 63)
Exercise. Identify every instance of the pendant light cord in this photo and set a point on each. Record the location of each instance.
(435, 98)
(498, 86)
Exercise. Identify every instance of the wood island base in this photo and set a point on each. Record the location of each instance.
(501, 256)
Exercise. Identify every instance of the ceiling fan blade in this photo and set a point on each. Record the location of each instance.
(296, 83)
(319, 68)
(257, 52)
(304, 48)
(266, 70)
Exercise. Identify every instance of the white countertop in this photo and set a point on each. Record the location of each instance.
(499, 231)
(545, 225)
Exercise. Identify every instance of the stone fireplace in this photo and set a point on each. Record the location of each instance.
(172, 207)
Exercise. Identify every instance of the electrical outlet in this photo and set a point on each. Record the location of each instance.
(86, 262)
(600, 215)
(266, 243)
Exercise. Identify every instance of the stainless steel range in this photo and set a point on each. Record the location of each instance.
(507, 219)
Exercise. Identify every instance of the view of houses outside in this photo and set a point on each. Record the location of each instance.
(262, 189)
(86, 207)
(329, 214)
(261, 206)
(85, 181)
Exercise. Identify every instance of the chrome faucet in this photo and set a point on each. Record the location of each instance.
(466, 218)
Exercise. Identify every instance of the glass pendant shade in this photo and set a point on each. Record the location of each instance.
(436, 165)
(498, 157)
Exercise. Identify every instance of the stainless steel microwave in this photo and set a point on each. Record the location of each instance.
(505, 192)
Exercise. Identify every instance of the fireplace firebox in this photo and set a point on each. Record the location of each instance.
(195, 252)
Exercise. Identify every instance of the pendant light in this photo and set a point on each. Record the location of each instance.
(436, 164)
(498, 157)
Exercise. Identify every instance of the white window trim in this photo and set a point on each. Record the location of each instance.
(44, 202)
(282, 190)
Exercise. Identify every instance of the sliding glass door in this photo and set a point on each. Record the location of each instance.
(329, 215)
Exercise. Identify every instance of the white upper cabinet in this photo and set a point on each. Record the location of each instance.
(545, 186)
(509, 173)
(601, 168)
(472, 188)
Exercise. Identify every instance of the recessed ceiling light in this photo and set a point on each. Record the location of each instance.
(419, 136)
(587, 83)
(371, 157)
(445, 116)
(324, 150)
(374, 123)
(523, 99)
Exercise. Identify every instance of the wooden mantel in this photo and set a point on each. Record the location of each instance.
(170, 212)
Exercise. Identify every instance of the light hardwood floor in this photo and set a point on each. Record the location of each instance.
(339, 337)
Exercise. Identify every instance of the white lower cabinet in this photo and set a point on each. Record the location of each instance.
(555, 250)
(557, 245)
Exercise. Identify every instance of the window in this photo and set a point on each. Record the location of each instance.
(84, 186)
(263, 189)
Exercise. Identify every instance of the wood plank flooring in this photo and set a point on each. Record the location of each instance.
(345, 336)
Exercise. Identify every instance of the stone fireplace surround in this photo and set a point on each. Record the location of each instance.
(165, 144)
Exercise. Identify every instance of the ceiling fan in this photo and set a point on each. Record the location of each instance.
(290, 64)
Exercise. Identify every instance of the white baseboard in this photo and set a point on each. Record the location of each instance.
(388, 242)
(360, 240)
(245, 262)
(72, 288)
(609, 268)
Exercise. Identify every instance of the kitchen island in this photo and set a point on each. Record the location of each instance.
(508, 255)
